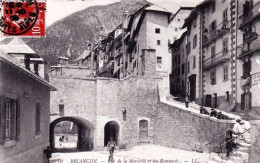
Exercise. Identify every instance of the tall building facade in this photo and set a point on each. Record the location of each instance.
(248, 55)
(218, 50)
(221, 56)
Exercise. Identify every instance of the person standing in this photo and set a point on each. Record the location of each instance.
(47, 153)
(229, 142)
(187, 100)
(237, 129)
(111, 146)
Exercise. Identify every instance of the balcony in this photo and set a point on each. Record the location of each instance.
(245, 81)
(212, 35)
(118, 54)
(249, 47)
(216, 59)
(250, 16)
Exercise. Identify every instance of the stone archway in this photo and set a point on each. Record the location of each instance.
(85, 132)
(111, 129)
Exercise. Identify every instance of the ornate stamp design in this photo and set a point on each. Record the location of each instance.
(23, 18)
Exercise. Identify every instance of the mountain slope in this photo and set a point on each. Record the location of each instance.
(68, 37)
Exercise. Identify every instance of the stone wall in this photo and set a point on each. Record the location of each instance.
(254, 156)
(183, 129)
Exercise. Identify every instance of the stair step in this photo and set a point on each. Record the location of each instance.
(219, 160)
(240, 154)
(247, 141)
(243, 149)
(238, 159)
(245, 145)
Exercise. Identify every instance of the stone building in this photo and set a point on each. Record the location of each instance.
(149, 27)
(178, 76)
(219, 63)
(24, 104)
(214, 69)
(193, 23)
(248, 55)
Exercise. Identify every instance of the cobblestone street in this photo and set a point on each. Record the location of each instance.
(138, 154)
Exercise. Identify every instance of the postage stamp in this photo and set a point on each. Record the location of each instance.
(24, 18)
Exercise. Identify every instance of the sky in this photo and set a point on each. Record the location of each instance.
(58, 9)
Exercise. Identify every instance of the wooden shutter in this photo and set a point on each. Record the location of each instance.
(243, 101)
(2, 119)
(17, 120)
(250, 100)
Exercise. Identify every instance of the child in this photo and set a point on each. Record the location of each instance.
(111, 146)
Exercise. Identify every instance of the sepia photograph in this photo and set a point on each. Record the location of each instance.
(129, 81)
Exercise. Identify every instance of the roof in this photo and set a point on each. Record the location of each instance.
(15, 63)
(82, 56)
(15, 46)
(180, 9)
(40, 60)
(156, 8)
(194, 12)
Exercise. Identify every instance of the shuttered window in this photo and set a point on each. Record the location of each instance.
(10, 119)
(37, 119)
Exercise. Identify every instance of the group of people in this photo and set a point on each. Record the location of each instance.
(214, 113)
(233, 136)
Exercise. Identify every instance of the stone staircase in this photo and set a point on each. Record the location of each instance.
(239, 155)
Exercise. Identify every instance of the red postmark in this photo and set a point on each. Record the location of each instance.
(23, 18)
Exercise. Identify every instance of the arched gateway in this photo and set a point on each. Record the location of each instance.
(85, 132)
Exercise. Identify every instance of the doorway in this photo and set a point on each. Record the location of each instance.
(192, 81)
(208, 100)
(111, 129)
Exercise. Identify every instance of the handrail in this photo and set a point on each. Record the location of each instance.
(234, 138)
(216, 138)
(225, 142)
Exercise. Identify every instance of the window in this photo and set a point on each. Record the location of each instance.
(213, 76)
(213, 51)
(157, 30)
(227, 96)
(195, 23)
(143, 129)
(225, 46)
(194, 61)
(8, 119)
(37, 119)
(212, 28)
(182, 68)
(225, 73)
(225, 16)
(118, 61)
(61, 110)
(195, 41)
(159, 60)
(142, 64)
(188, 48)
(158, 42)
(188, 67)
(11, 119)
(213, 7)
